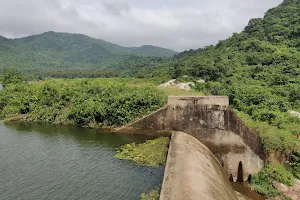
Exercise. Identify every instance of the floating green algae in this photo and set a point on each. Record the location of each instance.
(151, 195)
(152, 153)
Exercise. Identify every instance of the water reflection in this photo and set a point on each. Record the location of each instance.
(78, 133)
(63, 162)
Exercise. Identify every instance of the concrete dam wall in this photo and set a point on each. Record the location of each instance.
(192, 172)
(211, 121)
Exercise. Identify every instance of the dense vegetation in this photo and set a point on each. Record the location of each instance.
(11, 77)
(152, 153)
(51, 53)
(262, 182)
(83, 102)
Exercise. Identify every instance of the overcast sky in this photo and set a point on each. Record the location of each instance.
(175, 24)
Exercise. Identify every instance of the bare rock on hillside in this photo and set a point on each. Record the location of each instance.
(292, 192)
(200, 81)
(173, 84)
(294, 113)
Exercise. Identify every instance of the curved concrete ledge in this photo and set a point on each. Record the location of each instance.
(192, 172)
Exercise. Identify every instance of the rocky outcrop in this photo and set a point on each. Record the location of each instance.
(294, 113)
(174, 84)
(292, 192)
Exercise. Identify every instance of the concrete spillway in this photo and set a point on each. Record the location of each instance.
(192, 172)
(213, 134)
(210, 120)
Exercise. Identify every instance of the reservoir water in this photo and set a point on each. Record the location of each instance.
(60, 162)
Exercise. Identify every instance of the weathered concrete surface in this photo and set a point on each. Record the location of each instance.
(208, 119)
(192, 172)
(148, 125)
(235, 124)
(236, 157)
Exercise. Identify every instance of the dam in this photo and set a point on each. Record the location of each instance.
(210, 140)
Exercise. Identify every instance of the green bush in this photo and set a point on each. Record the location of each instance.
(83, 102)
(11, 77)
(273, 138)
(262, 182)
(152, 195)
(200, 87)
(294, 164)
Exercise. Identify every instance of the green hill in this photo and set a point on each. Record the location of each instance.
(53, 51)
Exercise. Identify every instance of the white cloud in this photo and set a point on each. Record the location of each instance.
(173, 24)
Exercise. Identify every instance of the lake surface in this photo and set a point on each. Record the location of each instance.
(60, 162)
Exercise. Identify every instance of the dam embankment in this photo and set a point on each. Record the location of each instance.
(192, 172)
(210, 120)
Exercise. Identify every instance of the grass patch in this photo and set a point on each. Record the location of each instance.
(262, 182)
(152, 195)
(82, 102)
(273, 138)
(152, 153)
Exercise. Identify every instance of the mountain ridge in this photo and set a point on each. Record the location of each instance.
(54, 50)
(169, 53)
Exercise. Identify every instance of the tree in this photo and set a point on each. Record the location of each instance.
(11, 76)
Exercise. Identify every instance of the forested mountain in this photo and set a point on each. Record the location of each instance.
(53, 51)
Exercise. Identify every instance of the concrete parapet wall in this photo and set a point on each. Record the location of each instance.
(236, 125)
(192, 172)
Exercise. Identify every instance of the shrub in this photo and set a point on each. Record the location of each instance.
(262, 182)
(273, 138)
(83, 102)
(152, 195)
(294, 164)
